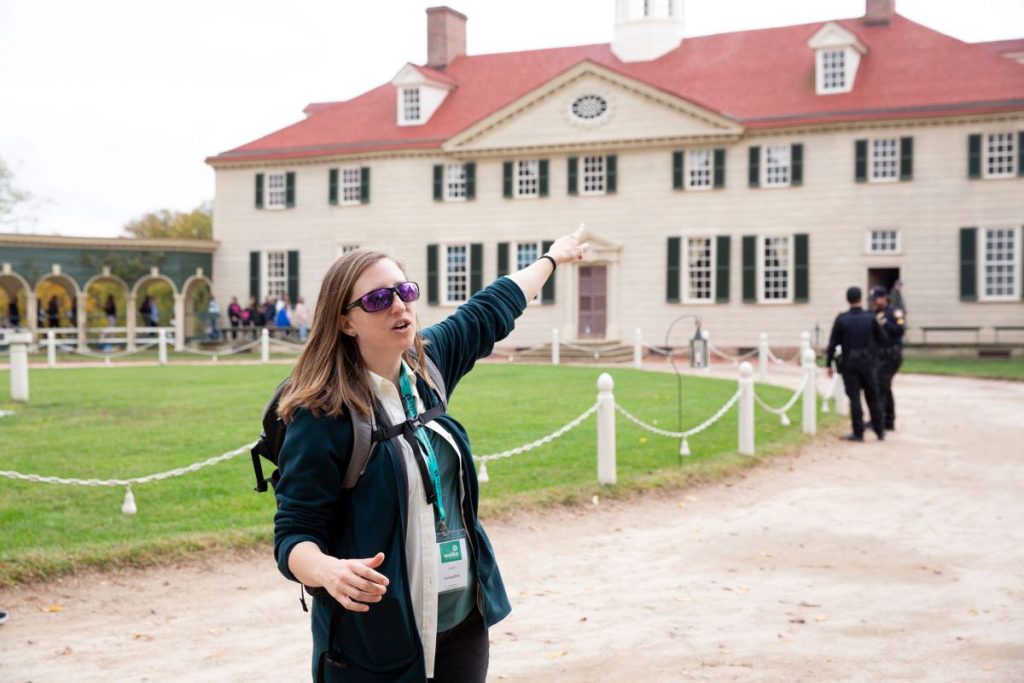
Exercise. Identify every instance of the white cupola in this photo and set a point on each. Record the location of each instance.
(647, 29)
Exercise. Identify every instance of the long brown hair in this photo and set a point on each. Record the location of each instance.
(330, 372)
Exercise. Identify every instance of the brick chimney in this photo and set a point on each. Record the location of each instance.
(878, 12)
(446, 36)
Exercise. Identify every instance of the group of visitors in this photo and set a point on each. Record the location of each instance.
(274, 312)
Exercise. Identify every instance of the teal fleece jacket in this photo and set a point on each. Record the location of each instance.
(383, 644)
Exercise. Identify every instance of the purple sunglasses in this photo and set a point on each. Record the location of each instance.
(381, 299)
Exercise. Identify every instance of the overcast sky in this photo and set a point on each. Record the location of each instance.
(108, 107)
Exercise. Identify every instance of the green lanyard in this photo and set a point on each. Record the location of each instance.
(409, 403)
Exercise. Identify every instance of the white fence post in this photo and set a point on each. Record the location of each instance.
(638, 349)
(51, 349)
(19, 365)
(842, 403)
(810, 422)
(805, 342)
(161, 341)
(554, 346)
(265, 346)
(746, 417)
(762, 357)
(605, 430)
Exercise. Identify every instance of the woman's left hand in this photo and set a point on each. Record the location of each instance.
(570, 248)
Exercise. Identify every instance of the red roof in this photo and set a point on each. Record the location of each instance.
(760, 79)
(1004, 47)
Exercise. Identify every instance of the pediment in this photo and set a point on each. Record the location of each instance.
(635, 113)
(833, 35)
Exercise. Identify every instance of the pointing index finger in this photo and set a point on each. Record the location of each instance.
(580, 231)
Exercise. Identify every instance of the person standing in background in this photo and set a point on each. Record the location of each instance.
(300, 318)
(890, 351)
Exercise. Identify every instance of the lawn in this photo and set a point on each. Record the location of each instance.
(125, 422)
(990, 368)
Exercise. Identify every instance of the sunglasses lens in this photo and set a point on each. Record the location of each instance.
(408, 291)
(377, 300)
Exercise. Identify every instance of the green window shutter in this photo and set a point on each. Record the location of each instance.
(254, 274)
(332, 186)
(906, 158)
(573, 170)
(968, 264)
(973, 156)
(547, 293)
(289, 190)
(542, 184)
(364, 185)
(754, 171)
(506, 179)
(293, 276)
(1020, 152)
(722, 255)
(796, 159)
(719, 167)
(750, 268)
(259, 190)
(611, 167)
(672, 271)
(432, 289)
(860, 165)
(476, 267)
(801, 279)
(677, 171)
(502, 259)
(438, 182)
(470, 180)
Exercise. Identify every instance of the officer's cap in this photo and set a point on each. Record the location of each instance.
(878, 291)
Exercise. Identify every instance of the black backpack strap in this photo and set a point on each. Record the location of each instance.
(331, 657)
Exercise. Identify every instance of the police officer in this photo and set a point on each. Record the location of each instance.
(859, 335)
(890, 352)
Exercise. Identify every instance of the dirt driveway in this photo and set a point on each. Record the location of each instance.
(894, 561)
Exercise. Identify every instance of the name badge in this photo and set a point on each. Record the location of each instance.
(452, 562)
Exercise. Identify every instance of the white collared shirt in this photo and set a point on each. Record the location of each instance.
(420, 539)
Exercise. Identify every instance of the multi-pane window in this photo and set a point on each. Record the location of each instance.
(277, 273)
(527, 178)
(1000, 251)
(884, 241)
(775, 269)
(885, 159)
(698, 169)
(776, 165)
(350, 185)
(276, 190)
(455, 182)
(700, 269)
(833, 70)
(345, 248)
(593, 175)
(526, 253)
(411, 104)
(457, 273)
(999, 154)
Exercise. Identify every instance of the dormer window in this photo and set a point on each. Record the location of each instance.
(837, 54)
(833, 70)
(410, 105)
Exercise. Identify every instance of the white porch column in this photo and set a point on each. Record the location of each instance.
(130, 323)
(81, 316)
(32, 313)
(179, 322)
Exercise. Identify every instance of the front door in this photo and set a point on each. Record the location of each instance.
(593, 301)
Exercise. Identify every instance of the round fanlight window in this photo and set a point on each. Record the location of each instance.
(589, 107)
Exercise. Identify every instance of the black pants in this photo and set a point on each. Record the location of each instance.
(463, 652)
(857, 377)
(886, 370)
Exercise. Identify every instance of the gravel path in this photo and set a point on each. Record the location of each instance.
(893, 561)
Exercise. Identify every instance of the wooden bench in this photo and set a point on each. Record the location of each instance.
(951, 328)
(1007, 328)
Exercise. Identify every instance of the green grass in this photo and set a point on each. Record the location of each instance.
(990, 368)
(133, 421)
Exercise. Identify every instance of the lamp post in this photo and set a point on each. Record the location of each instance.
(698, 356)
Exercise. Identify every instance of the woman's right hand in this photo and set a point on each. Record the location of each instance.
(353, 583)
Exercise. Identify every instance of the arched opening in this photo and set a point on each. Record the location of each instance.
(106, 307)
(13, 302)
(154, 301)
(199, 322)
(58, 302)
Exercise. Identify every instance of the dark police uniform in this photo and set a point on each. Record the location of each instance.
(860, 335)
(890, 357)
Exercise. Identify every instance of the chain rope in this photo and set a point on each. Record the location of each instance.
(779, 361)
(789, 404)
(728, 356)
(681, 435)
(539, 442)
(114, 354)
